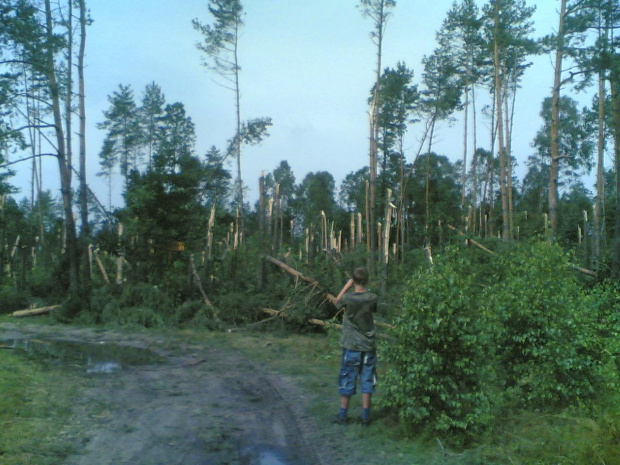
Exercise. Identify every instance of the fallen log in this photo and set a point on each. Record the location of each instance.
(316, 322)
(583, 270)
(477, 244)
(299, 275)
(35, 311)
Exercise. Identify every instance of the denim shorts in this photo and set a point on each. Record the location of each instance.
(354, 364)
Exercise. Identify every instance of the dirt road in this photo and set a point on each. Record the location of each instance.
(201, 404)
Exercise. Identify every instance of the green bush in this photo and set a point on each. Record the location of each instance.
(147, 296)
(240, 308)
(189, 310)
(546, 346)
(440, 356)
(131, 316)
(45, 283)
(13, 299)
(516, 327)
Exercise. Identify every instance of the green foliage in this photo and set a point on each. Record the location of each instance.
(44, 283)
(440, 356)
(13, 299)
(140, 304)
(545, 342)
(238, 308)
(516, 328)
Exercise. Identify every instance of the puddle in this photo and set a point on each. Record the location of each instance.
(268, 457)
(91, 357)
(263, 455)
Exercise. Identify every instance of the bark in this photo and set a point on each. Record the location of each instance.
(86, 271)
(500, 133)
(465, 130)
(615, 102)
(198, 283)
(599, 207)
(474, 200)
(386, 242)
(555, 122)
(238, 135)
(374, 134)
(299, 275)
(63, 165)
(35, 311)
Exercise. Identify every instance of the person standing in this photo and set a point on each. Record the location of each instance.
(359, 355)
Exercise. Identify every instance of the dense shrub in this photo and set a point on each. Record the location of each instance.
(140, 304)
(516, 327)
(546, 347)
(12, 299)
(440, 355)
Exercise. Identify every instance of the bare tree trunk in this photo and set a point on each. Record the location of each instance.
(69, 89)
(615, 103)
(86, 271)
(490, 185)
(386, 241)
(555, 122)
(510, 110)
(474, 197)
(465, 129)
(61, 154)
(500, 133)
(238, 134)
(599, 207)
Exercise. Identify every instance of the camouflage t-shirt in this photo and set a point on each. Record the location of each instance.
(358, 329)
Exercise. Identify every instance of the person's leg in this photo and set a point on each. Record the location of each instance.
(349, 369)
(344, 408)
(368, 381)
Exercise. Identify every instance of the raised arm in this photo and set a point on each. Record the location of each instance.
(344, 290)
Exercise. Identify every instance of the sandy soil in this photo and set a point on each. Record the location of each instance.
(203, 405)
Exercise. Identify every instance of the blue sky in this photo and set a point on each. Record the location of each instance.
(308, 65)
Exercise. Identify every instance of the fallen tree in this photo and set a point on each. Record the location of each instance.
(301, 276)
(35, 311)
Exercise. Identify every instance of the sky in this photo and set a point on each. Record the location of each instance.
(309, 65)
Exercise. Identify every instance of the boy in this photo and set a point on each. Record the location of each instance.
(359, 356)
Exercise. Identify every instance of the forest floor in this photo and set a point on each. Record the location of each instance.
(203, 398)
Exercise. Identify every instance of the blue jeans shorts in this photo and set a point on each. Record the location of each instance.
(354, 364)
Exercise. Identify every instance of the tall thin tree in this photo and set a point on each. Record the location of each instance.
(378, 11)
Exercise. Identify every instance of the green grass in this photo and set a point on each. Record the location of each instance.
(35, 412)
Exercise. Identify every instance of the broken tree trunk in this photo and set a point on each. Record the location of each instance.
(101, 267)
(200, 288)
(477, 244)
(299, 275)
(35, 311)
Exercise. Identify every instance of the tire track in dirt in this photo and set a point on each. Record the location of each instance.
(224, 410)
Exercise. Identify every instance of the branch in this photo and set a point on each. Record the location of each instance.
(32, 126)
(9, 163)
(297, 274)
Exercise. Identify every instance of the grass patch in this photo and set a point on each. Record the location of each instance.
(35, 412)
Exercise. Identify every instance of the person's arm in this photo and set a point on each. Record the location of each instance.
(344, 290)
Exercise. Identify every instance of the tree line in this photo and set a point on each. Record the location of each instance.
(402, 201)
